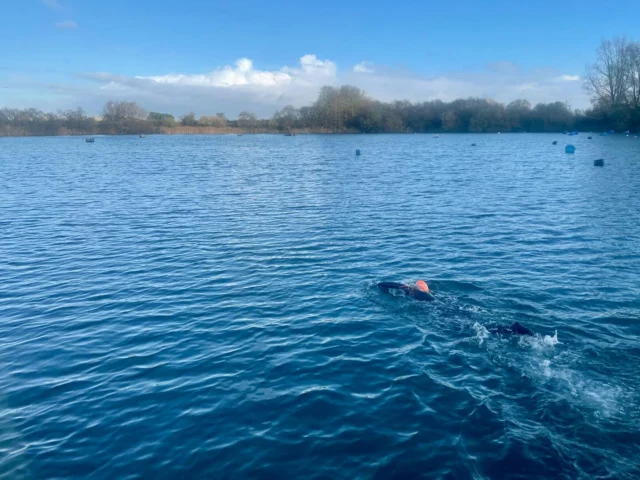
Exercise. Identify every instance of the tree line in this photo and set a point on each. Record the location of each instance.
(345, 109)
(613, 82)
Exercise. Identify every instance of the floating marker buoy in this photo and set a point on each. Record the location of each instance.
(569, 149)
(588, 138)
(598, 163)
(555, 142)
(358, 153)
(473, 145)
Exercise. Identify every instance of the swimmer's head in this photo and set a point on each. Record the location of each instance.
(422, 286)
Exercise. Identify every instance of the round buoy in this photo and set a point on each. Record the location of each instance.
(598, 163)
(555, 142)
(569, 149)
(358, 153)
(473, 145)
(588, 138)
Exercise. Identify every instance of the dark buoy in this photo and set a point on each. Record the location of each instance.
(358, 153)
(598, 163)
(473, 145)
(569, 149)
(555, 142)
(90, 140)
(588, 138)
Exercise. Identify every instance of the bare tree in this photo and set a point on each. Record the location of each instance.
(247, 120)
(119, 111)
(607, 80)
(633, 92)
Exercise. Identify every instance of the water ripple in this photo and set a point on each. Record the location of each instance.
(206, 307)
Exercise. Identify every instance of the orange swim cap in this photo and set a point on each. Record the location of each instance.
(422, 286)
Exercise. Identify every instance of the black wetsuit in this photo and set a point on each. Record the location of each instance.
(407, 289)
(514, 329)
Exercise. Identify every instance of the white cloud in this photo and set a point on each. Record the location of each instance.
(569, 78)
(311, 71)
(67, 25)
(501, 81)
(311, 66)
(242, 73)
(231, 89)
(52, 4)
(363, 67)
(244, 86)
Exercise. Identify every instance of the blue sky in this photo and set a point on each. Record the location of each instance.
(211, 56)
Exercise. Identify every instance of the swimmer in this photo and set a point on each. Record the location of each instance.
(514, 329)
(420, 291)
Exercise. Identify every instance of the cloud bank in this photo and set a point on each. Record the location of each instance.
(308, 73)
(244, 86)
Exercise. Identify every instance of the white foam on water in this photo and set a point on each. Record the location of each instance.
(471, 308)
(565, 375)
(545, 366)
(539, 342)
(557, 369)
(603, 398)
(481, 332)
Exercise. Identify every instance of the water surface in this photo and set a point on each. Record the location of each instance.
(203, 306)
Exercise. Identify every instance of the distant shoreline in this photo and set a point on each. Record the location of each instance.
(185, 131)
(238, 131)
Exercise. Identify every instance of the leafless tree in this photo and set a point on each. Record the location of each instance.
(633, 91)
(119, 111)
(607, 80)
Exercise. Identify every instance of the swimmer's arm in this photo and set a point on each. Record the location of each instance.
(386, 286)
(519, 329)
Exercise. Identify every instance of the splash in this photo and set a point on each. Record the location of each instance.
(550, 341)
(604, 398)
(539, 342)
(481, 332)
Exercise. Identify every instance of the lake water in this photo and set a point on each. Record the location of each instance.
(204, 307)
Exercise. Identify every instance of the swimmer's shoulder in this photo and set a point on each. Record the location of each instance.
(424, 296)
